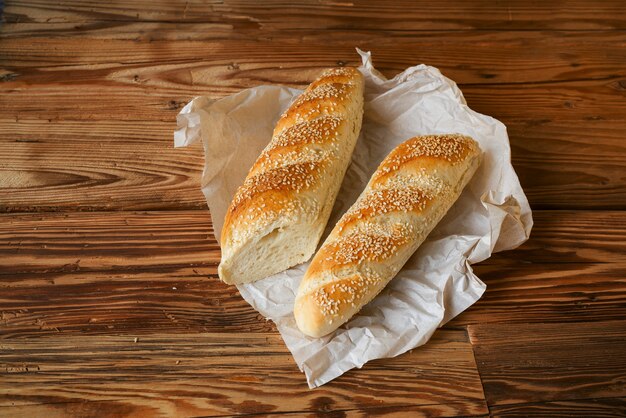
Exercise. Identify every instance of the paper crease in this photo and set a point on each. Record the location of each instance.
(437, 283)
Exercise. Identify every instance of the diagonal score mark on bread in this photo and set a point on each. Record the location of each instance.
(277, 216)
(406, 197)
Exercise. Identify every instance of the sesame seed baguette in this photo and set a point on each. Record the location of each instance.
(406, 197)
(278, 215)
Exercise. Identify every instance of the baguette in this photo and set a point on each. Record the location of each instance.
(406, 197)
(278, 215)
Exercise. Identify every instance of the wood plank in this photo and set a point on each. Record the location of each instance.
(163, 55)
(156, 93)
(565, 101)
(181, 300)
(570, 237)
(113, 165)
(132, 165)
(565, 165)
(553, 292)
(223, 374)
(132, 240)
(312, 412)
(193, 299)
(391, 412)
(575, 101)
(597, 408)
(104, 241)
(594, 60)
(398, 15)
(550, 362)
(560, 275)
(96, 273)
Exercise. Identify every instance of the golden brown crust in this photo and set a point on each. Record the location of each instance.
(316, 131)
(327, 95)
(329, 303)
(288, 144)
(370, 243)
(293, 183)
(330, 297)
(380, 202)
(281, 168)
(422, 150)
(276, 182)
(342, 75)
(407, 195)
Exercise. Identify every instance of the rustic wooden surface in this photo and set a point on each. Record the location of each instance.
(109, 299)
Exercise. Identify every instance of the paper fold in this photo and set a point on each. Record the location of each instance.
(437, 283)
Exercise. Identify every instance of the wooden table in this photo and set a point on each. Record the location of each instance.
(109, 299)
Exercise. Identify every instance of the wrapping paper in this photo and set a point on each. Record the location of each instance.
(437, 283)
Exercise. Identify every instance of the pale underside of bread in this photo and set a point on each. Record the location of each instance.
(278, 215)
(410, 192)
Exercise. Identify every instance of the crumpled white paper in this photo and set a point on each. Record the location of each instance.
(437, 283)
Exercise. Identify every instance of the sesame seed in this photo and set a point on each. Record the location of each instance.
(451, 147)
(377, 202)
(315, 131)
(294, 162)
(371, 242)
(376, 238)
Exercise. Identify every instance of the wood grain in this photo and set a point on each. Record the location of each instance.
(105, 241)
(557, 237)
(160, 54)
(222, 374)
(132, 272)
(560, 275)
(114, 165)
(550, 362)
(193, 299)
(549, 292)
(100, 241)
(133, 165)
(597, 408)
(100, 303)
(147, 80)
(564, 165)
(109, 300)
(566, 101)
(151, 78)
(221, 60)
(399, 15)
